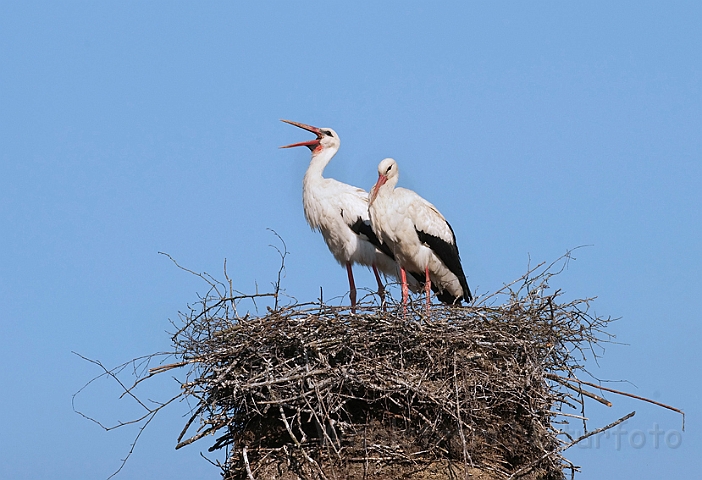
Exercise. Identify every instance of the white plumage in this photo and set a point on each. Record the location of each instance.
(340, 212)
(421, 239)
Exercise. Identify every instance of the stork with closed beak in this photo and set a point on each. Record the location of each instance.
(421, 239)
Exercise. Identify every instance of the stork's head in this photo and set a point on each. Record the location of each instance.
(326, 138)
(387, 172)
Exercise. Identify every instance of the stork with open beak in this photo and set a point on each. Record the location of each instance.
(340, 212)
(421, 239)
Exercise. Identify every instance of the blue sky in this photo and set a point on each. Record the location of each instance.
(129, 128)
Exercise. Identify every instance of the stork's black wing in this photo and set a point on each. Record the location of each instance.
(447, 253)
(363, 227)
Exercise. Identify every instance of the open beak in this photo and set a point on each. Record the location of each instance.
(311, 144)
(374, 191)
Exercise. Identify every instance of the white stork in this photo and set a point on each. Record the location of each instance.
(340, 212)
(420, 237)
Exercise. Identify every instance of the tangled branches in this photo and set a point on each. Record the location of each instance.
(313, 391)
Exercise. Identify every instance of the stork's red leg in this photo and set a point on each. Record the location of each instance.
(352, 287)
(381, 289)
(427, 287)
(405, 290)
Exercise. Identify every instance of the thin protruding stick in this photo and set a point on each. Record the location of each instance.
(563, 382)
(619, 392)
(599, 430)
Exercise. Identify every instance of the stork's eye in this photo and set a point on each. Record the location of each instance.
(327, 132)
(388, 170)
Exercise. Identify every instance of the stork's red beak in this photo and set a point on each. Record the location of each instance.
(311, 144)
(374, 191)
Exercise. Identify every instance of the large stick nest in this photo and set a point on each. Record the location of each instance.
(314, 391)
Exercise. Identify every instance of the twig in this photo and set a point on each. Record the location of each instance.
(599, 430)
(246, 463)
(580, 390)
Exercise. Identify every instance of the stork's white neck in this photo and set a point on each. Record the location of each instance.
(318, 163)
(388, 187)
(391, 183)
(312, 184)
